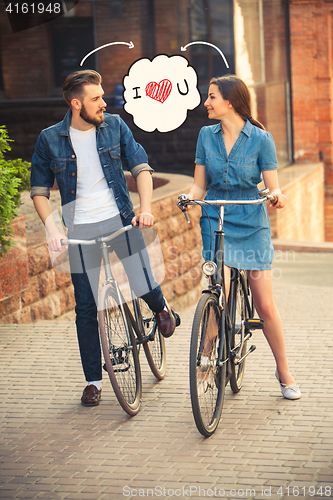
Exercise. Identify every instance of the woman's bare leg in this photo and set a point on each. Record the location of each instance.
(262, 291)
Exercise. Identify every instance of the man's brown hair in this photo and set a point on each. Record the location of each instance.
(74, 84)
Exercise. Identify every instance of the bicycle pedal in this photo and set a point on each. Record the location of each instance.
(121, 368)
(254, 324)
(177, 317)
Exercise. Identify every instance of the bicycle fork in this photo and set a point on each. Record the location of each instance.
(110, 279)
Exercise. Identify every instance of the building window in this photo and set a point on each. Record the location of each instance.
(72, 39)
(211, 21)
(261, 53)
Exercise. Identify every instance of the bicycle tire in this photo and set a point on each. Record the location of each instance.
(238, 314)
(207, 393)
(155, 348)
(120, 352)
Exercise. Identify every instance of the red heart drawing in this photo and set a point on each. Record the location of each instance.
(159, 91)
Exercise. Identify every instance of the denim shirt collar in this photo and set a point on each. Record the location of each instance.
(247, 129)
(66, 123)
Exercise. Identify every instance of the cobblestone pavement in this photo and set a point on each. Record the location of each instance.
(53, 448)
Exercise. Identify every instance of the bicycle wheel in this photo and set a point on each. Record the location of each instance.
(207, 380)
(155, 347)
(238, 314)
(120, 351)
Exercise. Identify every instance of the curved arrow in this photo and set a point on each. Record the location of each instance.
(206, 43)
(130, 46)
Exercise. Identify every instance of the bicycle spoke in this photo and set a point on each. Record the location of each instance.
(120, 354)
(237, 336)
(155, 347)
(207, 379)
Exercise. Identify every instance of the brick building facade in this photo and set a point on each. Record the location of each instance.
(311, 30)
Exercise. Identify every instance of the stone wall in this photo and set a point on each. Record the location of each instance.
(14, 265)
(31, 290)
(303, 217)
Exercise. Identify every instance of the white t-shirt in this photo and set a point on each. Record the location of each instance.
(95, 201)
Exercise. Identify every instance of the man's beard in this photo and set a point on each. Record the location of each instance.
(93, 120)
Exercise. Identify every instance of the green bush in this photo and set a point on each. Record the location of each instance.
(14, 178)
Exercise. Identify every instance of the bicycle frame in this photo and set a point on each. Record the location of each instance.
(134, 319)
(218, 284)
(226, 319)
(240, 275)
(103, 240)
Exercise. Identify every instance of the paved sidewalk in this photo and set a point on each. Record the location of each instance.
(265, 446)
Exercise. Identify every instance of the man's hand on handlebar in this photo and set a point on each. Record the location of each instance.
(143, 219)
(54, 242)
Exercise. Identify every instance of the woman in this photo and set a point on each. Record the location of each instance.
(231, 158)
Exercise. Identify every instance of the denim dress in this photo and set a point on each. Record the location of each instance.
(247, 240)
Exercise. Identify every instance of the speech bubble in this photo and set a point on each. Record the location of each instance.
(159, 93)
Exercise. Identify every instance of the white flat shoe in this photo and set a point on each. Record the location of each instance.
(291, 391)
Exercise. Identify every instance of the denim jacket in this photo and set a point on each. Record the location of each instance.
(240, 170)
(55, 159)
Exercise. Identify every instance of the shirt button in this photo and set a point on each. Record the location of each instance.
(73, 156)
(225, 182)
(55, 168)
(119, 154)
(72, 191)
(226, 171)
(73, 174)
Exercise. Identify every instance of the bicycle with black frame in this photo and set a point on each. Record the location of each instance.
(123, 328)
(221, 328)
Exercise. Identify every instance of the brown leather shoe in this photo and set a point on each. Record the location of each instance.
(166, 321)
(91, 396)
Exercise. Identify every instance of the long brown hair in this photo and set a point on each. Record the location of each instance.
(234, 90)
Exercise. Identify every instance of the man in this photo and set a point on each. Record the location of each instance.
(84, 153)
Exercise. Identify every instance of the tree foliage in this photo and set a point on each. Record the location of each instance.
(14, 178)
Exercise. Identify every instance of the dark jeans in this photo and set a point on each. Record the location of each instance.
(85, 262)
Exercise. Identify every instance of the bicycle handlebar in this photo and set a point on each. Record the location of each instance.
(100, 239)
(183, 201)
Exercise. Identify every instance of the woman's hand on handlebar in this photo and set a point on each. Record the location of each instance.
(197, 190)
(182, 201)
(280, 200)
